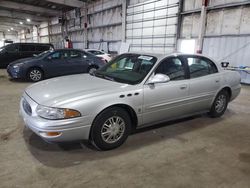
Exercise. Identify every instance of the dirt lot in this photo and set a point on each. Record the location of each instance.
(195, 152)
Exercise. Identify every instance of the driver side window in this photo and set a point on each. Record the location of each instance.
(173, 68)
(55, 55)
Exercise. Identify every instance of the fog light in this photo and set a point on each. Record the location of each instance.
(50, 134)
(53, 133)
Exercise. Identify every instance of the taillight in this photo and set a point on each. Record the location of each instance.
(104, 60)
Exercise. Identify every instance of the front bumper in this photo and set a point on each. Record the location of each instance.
(69, 129)
(14, 73)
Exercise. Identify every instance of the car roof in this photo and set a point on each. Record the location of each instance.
(33, 43)
(68, 49)
(158, 56)
(92, 49)
(162, 56)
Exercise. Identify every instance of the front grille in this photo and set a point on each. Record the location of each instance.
(26, 107)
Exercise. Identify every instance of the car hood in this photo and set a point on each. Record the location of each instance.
(59, 91)
(24, 60)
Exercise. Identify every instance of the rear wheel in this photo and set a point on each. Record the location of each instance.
(35, 74)
(220, 104)
(110, 129)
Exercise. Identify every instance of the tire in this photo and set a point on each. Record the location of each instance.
(35, 75)
(110, 129)
(220, 104)
(92, 69)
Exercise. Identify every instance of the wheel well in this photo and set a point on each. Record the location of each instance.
(229, 91)
(35, 68)
(94, 66)
(129, 110)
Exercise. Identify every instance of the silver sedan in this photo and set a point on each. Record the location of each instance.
(134, 90)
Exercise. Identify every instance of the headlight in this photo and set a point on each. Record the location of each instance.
(56, 113)
(16, 67)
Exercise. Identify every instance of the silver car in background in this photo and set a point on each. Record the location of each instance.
(134, 90)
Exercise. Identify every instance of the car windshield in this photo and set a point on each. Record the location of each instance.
(127, 68)
(7, 47)
(1, 49)
(43, 54)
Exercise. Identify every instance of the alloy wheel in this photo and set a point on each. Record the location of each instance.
(220, 103)
(35, 75)
(113, 129)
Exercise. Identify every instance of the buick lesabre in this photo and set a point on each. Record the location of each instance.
(134, 90)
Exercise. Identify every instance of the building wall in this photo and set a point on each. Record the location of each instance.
(227, 32)
(151, 26)
(9, 36)
(230, 21)
(196, 4)
(232, 49)
(105, 24)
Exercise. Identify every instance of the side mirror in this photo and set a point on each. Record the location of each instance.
(224, 64)
(49, 58)
(159, 78)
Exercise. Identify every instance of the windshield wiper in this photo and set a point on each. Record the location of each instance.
(102, 76)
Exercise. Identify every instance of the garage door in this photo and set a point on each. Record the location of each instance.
(152, 26)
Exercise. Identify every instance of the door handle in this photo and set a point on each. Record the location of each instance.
(217, 81)
(183, 87)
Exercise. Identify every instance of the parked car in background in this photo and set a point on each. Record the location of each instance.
(54, 63)
(12, 52)
(132, 91)
(107, 57)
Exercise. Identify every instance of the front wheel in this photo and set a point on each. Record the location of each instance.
(35, 74)
(91, 70)
(110, 129)
(220, 104)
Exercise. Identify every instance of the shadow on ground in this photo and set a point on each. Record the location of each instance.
(69, 154)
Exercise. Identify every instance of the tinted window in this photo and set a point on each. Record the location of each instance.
(65, 54)
(96, 52)
(60, 55)
(56, 55)
(42, 48)
(27, 48)
(11, 48)
(200, 67)
(75, 54)
(173, 68)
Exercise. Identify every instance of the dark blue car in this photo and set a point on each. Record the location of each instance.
(54, 63)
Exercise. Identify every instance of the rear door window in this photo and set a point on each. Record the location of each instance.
(75, 54)
(27, 48)
(173, 68)
(199, 66)
(56, 55)
(41, 48)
